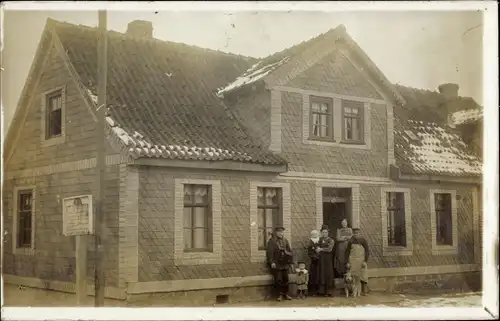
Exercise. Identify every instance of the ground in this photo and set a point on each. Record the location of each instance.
(21, 296)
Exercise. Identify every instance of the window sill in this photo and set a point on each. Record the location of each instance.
(444, 250)
(352, 142)
(198, 258)
(53, 141)
(362, 145)
(322, 140)
(397, 251)
(24, 251)
(258, 256)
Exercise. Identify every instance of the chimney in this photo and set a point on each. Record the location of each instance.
(449, 91)
(140, 29)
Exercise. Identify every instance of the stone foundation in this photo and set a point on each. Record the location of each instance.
(418, 284)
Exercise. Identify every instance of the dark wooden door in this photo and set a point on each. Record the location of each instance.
(333, 214)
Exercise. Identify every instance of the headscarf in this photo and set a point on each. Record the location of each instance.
(315, 239)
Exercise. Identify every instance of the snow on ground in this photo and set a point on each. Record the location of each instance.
(466, 301)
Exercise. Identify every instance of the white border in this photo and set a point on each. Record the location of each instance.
(490, 178)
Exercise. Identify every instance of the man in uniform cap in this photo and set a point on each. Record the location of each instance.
(279, 258)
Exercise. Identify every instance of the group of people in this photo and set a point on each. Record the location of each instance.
(329, 259)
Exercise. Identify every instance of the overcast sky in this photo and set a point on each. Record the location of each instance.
(418, 49)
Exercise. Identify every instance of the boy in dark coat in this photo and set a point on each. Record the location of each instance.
(279, 258)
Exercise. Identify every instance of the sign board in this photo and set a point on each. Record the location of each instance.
(77, 215)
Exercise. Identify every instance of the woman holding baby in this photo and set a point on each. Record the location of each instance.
(321, 271)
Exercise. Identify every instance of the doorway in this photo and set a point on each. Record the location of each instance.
(333, 214)
(336, 207)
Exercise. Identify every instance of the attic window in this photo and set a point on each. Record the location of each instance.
(411, 134)
(54, 114)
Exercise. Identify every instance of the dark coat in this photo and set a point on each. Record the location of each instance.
(279, 252)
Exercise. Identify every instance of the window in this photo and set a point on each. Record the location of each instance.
(54, 114)
(396, 225)
(24, 219)
(352, 120)
(321, 126)
(444, 223)
(197, 218)
(269, 213)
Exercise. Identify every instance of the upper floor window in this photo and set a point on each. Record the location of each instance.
(396, 219)
(352, 120)
(321, 124)
(197, 218)
(444, 220)
(269, 213)
(54, 107)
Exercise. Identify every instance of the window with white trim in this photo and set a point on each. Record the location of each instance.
(197, 218)
(54, 114)
(396, 221)
(352, 121)
(23, 232)
(396, 224)
(198, 222)
(444, 219)
(321, 127)
(443, 214)
(269, 213)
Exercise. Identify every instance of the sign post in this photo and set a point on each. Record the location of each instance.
(78, 222)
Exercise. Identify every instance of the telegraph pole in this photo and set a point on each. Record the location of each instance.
(100, 220)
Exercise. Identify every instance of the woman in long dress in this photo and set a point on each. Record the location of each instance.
(325, 282)
(344, 234)
(314, 262)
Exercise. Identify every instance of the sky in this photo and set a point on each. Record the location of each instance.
(419, 49)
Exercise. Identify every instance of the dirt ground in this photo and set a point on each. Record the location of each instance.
(15, 296)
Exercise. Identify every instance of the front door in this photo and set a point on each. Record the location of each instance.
(333, 214)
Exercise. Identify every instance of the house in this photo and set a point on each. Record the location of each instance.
(207, 151)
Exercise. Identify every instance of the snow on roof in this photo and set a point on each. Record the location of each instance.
(252, 75)
(139, 146)
(465, 116)
(439, 151)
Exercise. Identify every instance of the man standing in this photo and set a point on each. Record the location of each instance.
(279, 258)
(357, 252)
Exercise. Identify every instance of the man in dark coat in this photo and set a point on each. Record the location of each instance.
(279, 259)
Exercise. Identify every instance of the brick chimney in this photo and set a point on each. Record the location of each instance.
(449, 91)
(140, 29)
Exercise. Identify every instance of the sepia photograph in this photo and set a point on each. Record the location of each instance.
(242, 156)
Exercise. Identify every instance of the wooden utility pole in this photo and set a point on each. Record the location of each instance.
(100, 219)
(81, 269)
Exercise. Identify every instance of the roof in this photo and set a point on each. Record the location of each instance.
(466, 116)
(161, 96)
(424, 143)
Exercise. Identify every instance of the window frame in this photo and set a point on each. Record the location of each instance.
(257, 254)
(46, 139)
(361, 119)
(208, 220)
(330, 119)
(182, 257)
(24, 250)
(276, 220)
(439, 249)
(392, 249)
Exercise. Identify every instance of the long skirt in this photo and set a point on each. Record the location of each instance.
(314, 276)
(326, 275)
(340, 258)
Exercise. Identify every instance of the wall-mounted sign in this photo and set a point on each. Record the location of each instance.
(77, 215)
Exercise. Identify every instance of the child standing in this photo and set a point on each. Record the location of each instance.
(302, 279)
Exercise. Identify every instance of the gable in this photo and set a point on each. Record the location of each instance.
(336, 74)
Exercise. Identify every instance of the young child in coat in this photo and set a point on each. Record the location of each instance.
(302, 279)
